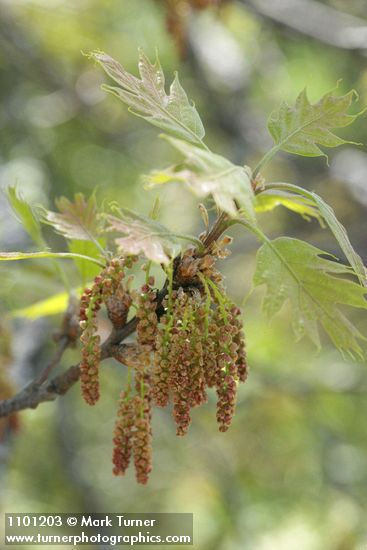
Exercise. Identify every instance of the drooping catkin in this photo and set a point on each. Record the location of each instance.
(107, 288)
(211, 348)
(160, 389)
(231, 362)
(239, 339)
(133, 431)
(142, 442)
(179, 379)
(226, 392)
(185, 357)
(91, 351)
(195, 327)
(123, 433)
(146, 313)
(180, 358)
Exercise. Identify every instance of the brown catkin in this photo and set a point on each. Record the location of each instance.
(179, 360)
(227, 369)
(211, 348)
(142, 442)
(160, 379)
(91, 352)
(161, 368)
(231, 362)
(89, 367)
(123, 434)
(116, 297)
(185, 358)
(196, 320)
(107, 288)
(179, 379)
(226, 392)
(147, 326)
(239, 339)
(142, 448)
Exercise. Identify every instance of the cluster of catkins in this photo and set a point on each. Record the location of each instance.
(199, 344)
(187, 342)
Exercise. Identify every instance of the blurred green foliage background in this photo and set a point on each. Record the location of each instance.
(291, 473)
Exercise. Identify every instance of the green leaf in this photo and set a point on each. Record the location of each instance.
(87, 269)
(328, 216)
(147, 98)
(80, 223)
(53, 305)
(206, 173)
(76, 220)
(11, 256)
(270, 199)
(26, 215)
(302, 128)
(293, 270)
(342, 237)
(143, 235)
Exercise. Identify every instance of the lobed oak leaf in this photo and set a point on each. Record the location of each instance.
(146, 97)
(75, 220)
(294, 271)
(143, 235)
(302, 128)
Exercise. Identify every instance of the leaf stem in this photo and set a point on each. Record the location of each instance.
(264, 160)
(286, 187)
(13, 256)
(253, 228)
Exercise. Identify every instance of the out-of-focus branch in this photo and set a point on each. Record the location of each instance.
(41, 389)
(316, 20)
(34, 394)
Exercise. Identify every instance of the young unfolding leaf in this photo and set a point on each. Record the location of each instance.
(206, 173)
(75, 220)
(147, 98)
(266, 201)
(293, 270)
(26, 215)
(301, 128)
(143, 235)
(80, 223)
